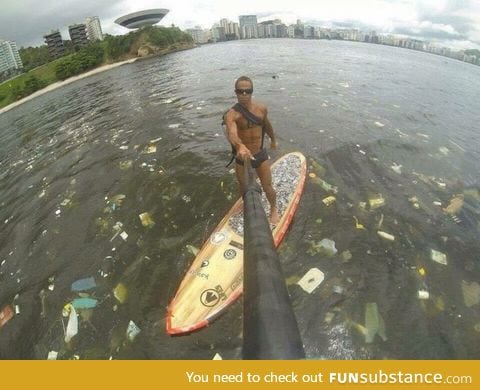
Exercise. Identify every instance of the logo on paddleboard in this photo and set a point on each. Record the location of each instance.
(230, 254)
(218, 238)
(212, 296)
(205, 263)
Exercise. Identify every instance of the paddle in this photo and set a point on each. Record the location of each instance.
(270, 330)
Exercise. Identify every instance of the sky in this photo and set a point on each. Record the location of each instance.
(449, 23)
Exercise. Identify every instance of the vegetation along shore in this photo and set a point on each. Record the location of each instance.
(89, 59)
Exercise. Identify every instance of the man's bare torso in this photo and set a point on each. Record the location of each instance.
(250, 136)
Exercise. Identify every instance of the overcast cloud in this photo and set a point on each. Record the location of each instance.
(452, 23)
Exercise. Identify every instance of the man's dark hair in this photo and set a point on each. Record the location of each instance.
(244, 78)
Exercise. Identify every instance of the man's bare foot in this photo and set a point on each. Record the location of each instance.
(274, 217)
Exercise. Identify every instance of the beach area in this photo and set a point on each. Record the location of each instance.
(59, 84)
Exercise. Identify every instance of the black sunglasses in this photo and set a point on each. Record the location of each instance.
(240, 91)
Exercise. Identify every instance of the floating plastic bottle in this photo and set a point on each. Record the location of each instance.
(311, 280)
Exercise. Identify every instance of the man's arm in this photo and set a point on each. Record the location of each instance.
(232, 134)
(269, 131)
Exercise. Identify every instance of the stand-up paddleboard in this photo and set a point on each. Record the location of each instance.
(215, 278)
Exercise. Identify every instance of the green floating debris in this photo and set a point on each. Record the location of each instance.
(376, 202)
(84, 303)
(120, 292)
(193, 250)
(146, 219)
(374, 323)
(471, 293)
(324, 247)
(318, 169)
(346, 256)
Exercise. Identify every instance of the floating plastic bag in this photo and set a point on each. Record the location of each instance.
(471, 293)
(132, 330)
(72, 326)
(439, 257)
(374, 323)
(84, 284)
(146, 219)
(84, 303)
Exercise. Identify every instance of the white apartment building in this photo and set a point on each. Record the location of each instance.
(94, 29)
(248, 26)
(9, 56)
(199, 36)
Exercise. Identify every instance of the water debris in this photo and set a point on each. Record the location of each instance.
(376, 202)
(6, 314)
(346, 256)
(437, 203)
(167, 101)
(217, 355)
(124, 165)
(146, 220)
(386, 236)
(52, 355)
(423, 294)
(439, 257)
(325, 247)
(323, 184)
(397, 168)
(374, 323)
(414, 201)
(132, 330)
(152, 148)
(72, 326)
(124, 235)
(124, 147)
(455, 205)
(423, 135)
(116, 201)
(174, 125)
(471, 293)
(379, 124)
(358, 225)
(84, 284)
(444, 150)
(311, 280)
(120, 292)
(318, 169)
(84, 303)
(422, 271)
(329, 200)
(192, 249)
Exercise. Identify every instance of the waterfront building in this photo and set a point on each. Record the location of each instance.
(308, 32)
(55, 44)
(199, 36)
(94, 28)
(78, 34)
(218, 34)
(291, 31)
(9, 58)
(232, 30)
(248, 26)
(144, 18)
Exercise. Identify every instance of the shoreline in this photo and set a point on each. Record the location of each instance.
(70, 80)
(100, 69)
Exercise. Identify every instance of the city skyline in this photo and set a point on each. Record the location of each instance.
(450, 23)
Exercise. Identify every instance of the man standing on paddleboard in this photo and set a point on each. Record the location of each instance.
(247, 123)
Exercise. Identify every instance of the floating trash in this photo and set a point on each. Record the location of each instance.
(437, 203)
(327, 246)
(72, 326)
(346, 256)
(358, 225)
(132, 330)
(311, 280)
(329, 200)
(124, 165)
(193, 250)
(379, 124)
(318, 169)
(397, 168)
(124, 147)
(329, 317)
(6, 315)
(386, 236)
(323, 184)
(471, 293)
(52, 355)
(477, 327)
(422, 271)
(423, 294)
(146, 219)
(151, 149)
(444, 150)
(217, 357)
(439, 257)
(376, 202)
(174, 125)
(455, 205)
(124, 236)
(84, 303)
(120, 292)
(374, 323)
(84, 284)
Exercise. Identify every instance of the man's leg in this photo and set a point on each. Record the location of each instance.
(265, 174)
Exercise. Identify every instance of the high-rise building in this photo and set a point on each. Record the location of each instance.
(248, 26)
(55, 43)
(9, 57)
(231, 29)
(78, 34)
(94, 29)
